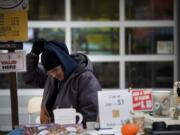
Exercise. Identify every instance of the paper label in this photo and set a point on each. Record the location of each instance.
(142, 99)
(12, 62)
(115, 107)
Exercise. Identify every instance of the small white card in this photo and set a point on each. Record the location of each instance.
(115, 107)
(164, 47)
(13, 62)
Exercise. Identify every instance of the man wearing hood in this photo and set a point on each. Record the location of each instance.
(68, 80)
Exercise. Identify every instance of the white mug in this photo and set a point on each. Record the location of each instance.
(90, 125)
(66, 116)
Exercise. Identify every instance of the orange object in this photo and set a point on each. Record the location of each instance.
(129, 129)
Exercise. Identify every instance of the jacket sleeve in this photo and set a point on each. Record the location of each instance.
(87, 96)
(35, 74)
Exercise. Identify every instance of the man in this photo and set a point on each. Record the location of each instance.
(68, 80)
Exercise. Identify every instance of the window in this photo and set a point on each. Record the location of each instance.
(149, 40)
(95, 40)
(101, 10)
(45, 33)
(107, 73)
(149, 9)
(149, 74)
(46, 10)
(130, 42)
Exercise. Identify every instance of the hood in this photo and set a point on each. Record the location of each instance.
(83, 62)
(60, 50)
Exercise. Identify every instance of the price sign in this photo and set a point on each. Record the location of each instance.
(142, 99)
(115, 107)
(12, 62)
(13, 25)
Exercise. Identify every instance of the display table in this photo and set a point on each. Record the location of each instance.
(20, 131)
(147, 129)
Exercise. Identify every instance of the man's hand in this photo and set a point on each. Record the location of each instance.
(38, 46)
(44, 116)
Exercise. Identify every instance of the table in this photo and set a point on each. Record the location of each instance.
(19, 131)
(149, 119)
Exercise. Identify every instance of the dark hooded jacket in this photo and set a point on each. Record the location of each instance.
(77, 90)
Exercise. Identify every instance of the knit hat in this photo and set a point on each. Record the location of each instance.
(61, 53)
(49, 60)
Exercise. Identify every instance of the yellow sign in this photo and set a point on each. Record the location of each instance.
(13, 25)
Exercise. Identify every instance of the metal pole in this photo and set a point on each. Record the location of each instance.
(14, 99)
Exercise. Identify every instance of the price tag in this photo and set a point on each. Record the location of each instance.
(12, 62)
(13, 26)
(142, 99)
(115, 107)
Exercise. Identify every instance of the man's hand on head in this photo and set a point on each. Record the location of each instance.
(38, 46)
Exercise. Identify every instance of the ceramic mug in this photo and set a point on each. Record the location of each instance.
(90, 125)
(174, 112)
(67, 116)
(139, 120)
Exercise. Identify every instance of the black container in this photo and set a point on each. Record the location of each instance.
(173, 127)
(159, 126)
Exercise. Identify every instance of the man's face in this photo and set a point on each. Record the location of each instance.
(57, 73)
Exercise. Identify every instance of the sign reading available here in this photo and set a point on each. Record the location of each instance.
(12, 62)
(142, 99)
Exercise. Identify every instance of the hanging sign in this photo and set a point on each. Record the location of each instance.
(12, 62)
(115, 107)
(11, 45)
(13, 25)
(13, 4)
(142, 99)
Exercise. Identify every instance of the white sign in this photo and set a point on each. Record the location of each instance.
(12, 62)
(115, 107)
(164, 47)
